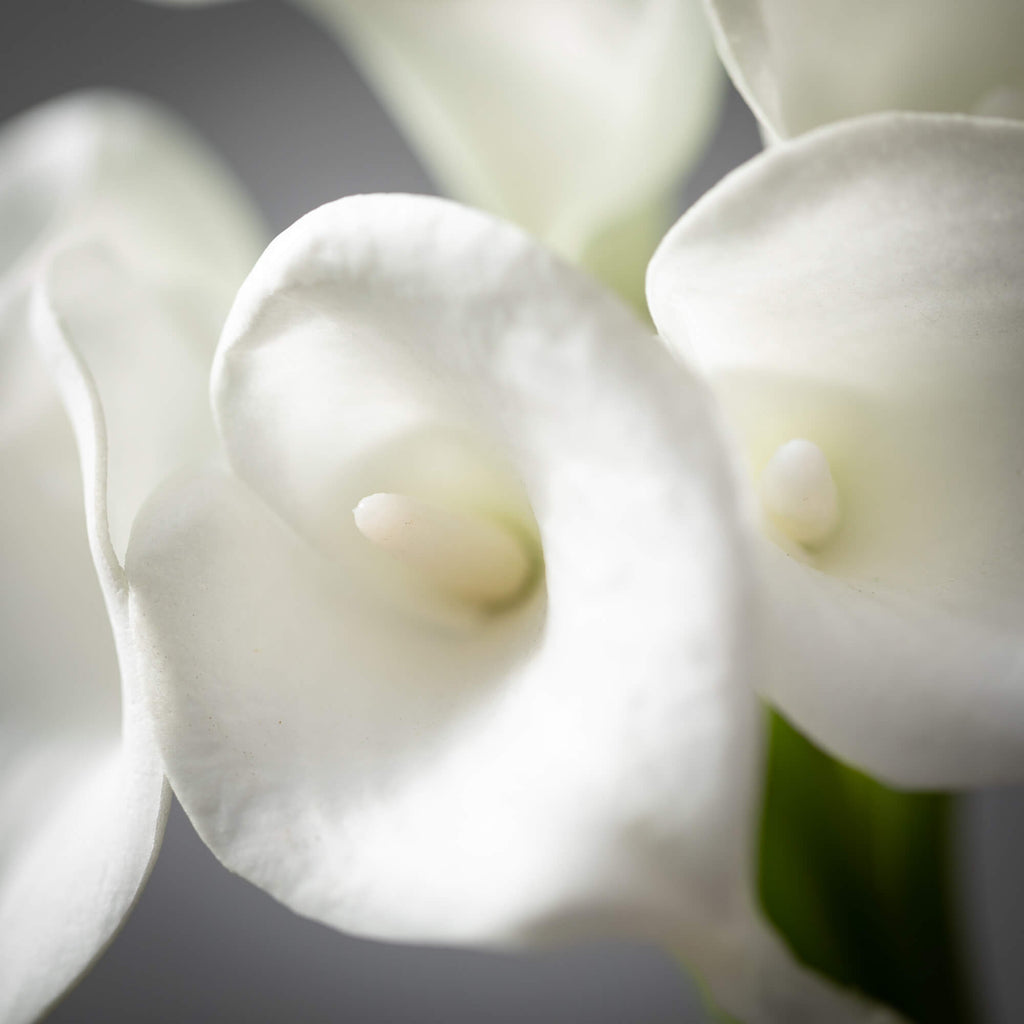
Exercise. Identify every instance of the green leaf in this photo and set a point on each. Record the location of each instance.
(858, 878)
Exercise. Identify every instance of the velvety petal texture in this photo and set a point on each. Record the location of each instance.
(120, 247)
(862, 289)
(801, 65)
(584, 760)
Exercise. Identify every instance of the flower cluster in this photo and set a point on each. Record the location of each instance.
(453, 621)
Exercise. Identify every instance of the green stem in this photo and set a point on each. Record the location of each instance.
(859, 879)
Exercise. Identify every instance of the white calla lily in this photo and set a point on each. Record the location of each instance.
(120, 246)
(856, 299)
(803, 65)
(576, 119)
(507, 700)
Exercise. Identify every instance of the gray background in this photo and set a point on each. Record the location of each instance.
(289, 114)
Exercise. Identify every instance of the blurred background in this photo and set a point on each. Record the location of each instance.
(288, 113)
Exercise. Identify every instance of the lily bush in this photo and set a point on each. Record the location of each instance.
(449, 618)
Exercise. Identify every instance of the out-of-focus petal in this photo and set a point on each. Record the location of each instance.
(577, 119)
(101, 322)
(801, 65)
(863, 288)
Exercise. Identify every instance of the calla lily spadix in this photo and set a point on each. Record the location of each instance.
(856, 300)
(121, 243)
(459, 652)
(577, 119)
(802, 65)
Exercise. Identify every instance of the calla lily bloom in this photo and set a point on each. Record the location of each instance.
(802, 65)
(577, 119)
(856, 300)
(459, 652)
(121, 243)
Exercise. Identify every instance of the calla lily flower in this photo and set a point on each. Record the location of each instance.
(577, 119)
(121, 243)
(803, 65)
(856, 300)
(458, 653)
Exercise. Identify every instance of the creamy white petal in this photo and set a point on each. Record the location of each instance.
(584, 763)
(801, 65)
(863, 288)
(575, 118)
(82, 795)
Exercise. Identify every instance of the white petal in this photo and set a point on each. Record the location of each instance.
(583, 764)
(82, 795)
(864, 289)
(401, 313)
(802, 65)
(121, 168)
(574, 118)
(148, 354)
